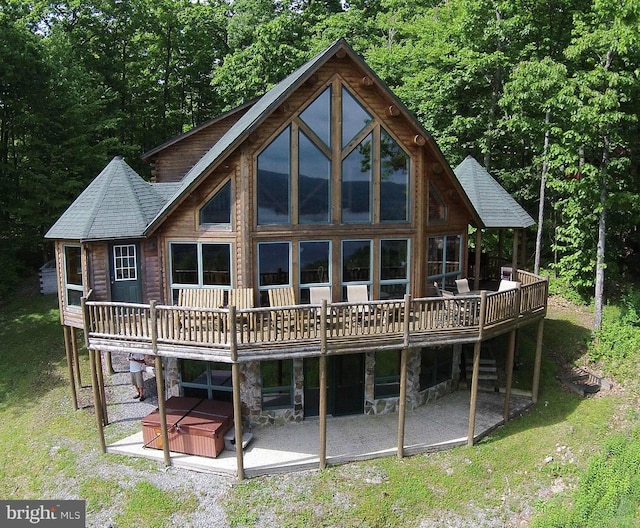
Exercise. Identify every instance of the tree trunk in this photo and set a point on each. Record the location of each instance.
(543, 184)
(602, 224)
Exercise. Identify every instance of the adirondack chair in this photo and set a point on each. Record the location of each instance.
(242, 299)
(280, 297)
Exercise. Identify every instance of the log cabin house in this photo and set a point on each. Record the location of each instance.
(324, 183)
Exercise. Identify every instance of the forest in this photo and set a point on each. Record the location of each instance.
(545, 94)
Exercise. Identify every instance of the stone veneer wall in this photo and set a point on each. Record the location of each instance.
(251, 389)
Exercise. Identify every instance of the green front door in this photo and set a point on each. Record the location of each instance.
(345, 385)
(126, 285)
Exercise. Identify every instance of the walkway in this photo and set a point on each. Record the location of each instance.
(440, 424)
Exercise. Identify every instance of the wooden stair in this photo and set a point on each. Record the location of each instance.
(487, 374)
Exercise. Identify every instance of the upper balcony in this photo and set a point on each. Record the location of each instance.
(231, 335)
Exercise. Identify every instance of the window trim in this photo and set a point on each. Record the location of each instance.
(70, 286)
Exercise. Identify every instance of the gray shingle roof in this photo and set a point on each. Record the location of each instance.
(117, 204)
(493, 204)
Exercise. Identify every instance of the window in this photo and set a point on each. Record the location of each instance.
(124, 263)
(200, 265)
(314, 199)
(387, 374)
(356, 262)
(277, 384)
(444, 260)
(394, 268)
(217, 211)
(354, 117)
(317, 116)
(436, 366)
(274, 176)
(274, 267)
(297, 172)
(437, 207)
(314, 262)
(200, 379)
(394, 180)
(356, 183)
(73, 275)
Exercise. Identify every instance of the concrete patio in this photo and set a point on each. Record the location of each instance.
(440, 424)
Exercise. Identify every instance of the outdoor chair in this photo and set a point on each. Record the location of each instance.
(319, 293)
(281, 297)
(359, 293)
(508, 285)
(463, 286)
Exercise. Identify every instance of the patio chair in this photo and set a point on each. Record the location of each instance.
(359, 293)
(280, 297)
(508, 285)
(241, 298)
(463, 285)
(319, 293)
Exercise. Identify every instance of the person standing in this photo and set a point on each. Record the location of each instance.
(136, 368)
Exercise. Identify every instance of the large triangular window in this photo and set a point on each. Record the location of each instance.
(437, 207)
(217, 211)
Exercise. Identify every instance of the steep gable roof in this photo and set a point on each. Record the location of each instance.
(493, 204)
(117, 204)
(264, 107)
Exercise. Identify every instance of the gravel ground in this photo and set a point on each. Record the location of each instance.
(125, 414)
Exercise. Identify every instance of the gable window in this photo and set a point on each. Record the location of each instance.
(274, 267)
(274, 175)
(394, 180)
(356, 183)
(200, 265)
(73, 275)
(314, 175)
(277, 384)
(437, 207)
(317, 116)
(217, 211)
(394, 268)
(354, 117)
(444, 260)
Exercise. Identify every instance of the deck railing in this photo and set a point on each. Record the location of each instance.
(294, 331)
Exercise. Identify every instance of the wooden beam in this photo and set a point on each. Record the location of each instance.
(509, 369)
(366, 82)
(322, 365)
(392, 111)
(69, 354)
(96, 399)
(402, 403)
(162, 410)
(537, 363)
(514, 256)
(103, 395)
(237, 401)
(476, 264)
(419, 140)
(110, 368)
(474, 394)
(76, 355)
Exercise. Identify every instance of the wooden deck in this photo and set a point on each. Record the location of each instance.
(232, 335)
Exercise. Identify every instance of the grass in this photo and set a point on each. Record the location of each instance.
(536, 469)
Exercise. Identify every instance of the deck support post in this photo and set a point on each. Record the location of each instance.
(474, 393)
(476, 264)
(69, 354)
(76, 355)
(235, 382)
(103, 394)
(514, 255)
(404, 358)
(509, 369)
(97, 403)
(322, 365)
(162, 409)
(537, 363)
(109, 360)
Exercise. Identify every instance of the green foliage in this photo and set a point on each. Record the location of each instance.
(609, 491)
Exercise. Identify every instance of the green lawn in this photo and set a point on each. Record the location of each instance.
(540, 469)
